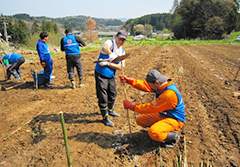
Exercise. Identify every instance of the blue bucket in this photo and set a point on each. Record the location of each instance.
(39, 77)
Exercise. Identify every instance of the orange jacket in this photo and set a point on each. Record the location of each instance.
(168, 100)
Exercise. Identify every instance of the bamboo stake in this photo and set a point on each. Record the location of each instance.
(65, 139)
(160, 156)
(23, 125)
(185, 152)
(125, 96)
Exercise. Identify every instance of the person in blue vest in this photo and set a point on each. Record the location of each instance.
(105, 75)
(165, 115)
(70, 44)
(45, 59)
(13, 61)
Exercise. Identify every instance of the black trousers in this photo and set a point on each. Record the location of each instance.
(74, 61)
(15, 66)
(106, 90)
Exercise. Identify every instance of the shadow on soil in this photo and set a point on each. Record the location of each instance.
(138, 144)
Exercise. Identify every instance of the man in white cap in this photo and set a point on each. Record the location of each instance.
(105, 75)
(165, 114)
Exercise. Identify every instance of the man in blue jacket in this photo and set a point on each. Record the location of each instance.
(70, 44)
(105, 75)
(13, 61)
(45, 59)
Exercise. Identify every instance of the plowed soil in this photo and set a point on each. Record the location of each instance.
(203, 74)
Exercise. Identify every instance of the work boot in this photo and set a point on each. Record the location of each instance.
(50, 83)
(107, 121)
(73, 85)
(171, 140)
(81, 82)
(46, 83)
(16, 76)
(113, 113)
(20, 74)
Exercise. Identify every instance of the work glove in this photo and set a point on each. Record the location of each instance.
(7, 67)
(112, 56)
(125, 79)
(43, 64)
(104, 63)
(128, 105)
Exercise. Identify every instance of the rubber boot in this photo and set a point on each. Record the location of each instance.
(111, 109)
(171, 140)
(46, 83)
(106, 119)
(15, 74)
(81, 82)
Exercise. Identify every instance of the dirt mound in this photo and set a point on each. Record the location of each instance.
(203, 74)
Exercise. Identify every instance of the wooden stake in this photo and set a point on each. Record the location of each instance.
(4, 72)
(125, 96)
(36, 77)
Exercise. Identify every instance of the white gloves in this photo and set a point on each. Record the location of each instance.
(112, 56)
(104, 63)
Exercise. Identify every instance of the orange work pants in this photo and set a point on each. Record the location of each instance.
(159, 125)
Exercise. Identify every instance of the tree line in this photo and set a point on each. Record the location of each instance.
(188, 19)
(204, 19)
(148, 23)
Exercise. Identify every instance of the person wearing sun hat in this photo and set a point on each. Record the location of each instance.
(105, 71)
(165, 115)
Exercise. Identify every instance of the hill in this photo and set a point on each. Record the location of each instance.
(203, 74)
(76, 22)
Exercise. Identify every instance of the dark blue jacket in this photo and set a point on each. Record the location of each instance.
(71, 46)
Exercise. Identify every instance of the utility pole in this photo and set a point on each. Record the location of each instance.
(5, 29)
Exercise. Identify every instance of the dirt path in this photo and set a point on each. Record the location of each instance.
(203, 74)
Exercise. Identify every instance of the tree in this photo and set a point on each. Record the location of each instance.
(215, 28)
(148, 30)
(35, 28)
(55, 27)
(90, 31)
(49, 27)
(138, 29)
(18, 32)
(197, 14)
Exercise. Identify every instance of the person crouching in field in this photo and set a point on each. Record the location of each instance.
(165, 114)
(13, 61)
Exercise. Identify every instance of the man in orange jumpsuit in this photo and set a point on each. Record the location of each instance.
(165, 114)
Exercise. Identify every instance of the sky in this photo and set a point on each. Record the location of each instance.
(93, 8)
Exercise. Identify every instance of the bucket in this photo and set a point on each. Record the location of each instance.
(39, 77)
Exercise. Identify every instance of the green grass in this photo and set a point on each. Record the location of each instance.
(54, 42)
